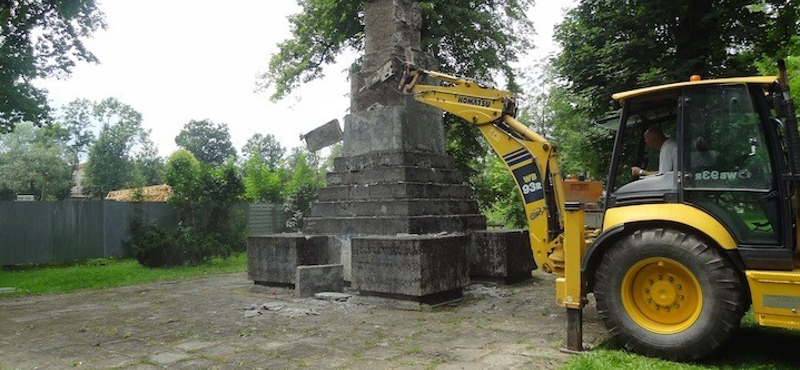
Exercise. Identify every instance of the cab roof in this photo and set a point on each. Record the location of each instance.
(757, 80)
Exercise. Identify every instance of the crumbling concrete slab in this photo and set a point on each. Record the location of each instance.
(503, 255)
(325, 135)
(421, 268)
(318, 278)
(273, 259)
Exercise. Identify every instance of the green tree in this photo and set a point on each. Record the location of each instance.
(32, 162)
(475, 38)
(201, 194)
(262, 184)
(302, 186)
(208, 142)
(111, 164)
(607, 48)
(148, 166)
(203, 197)
(265, 147)
(497, 194)
(181, 173)
(40, 38)
(769, 66)
(74, 128)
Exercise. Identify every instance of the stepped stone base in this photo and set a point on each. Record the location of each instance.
(503, 255)
(420, 268)
(391, 192)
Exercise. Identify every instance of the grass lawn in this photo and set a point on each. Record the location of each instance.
(752, 348)
(102, 273)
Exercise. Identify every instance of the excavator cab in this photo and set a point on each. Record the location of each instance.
(685, 250)
(727, 158)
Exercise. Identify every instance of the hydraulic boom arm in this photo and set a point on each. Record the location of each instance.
(529, 157)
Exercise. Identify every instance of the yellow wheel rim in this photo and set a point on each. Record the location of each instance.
(662, 295)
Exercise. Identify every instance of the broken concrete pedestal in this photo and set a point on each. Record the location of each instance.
(428, 269)
(500, 255)
(273, 259)
(317, 279)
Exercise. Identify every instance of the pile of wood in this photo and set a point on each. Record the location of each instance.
(154, 193)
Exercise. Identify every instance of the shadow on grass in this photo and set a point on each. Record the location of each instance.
(752, 348)
(756, 347)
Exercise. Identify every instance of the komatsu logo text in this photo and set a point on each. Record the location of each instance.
(474, 101)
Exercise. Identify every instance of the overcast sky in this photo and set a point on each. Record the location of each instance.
(174, 61)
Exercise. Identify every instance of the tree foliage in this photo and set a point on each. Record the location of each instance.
(608, 47)
(265, 147)
(40, 38)
(302, 187)
(210, 143)
(204, 198)
(111, 157)
(202, 195)
(475, 38)
(33, 162)
(148, 166)
(263, 184)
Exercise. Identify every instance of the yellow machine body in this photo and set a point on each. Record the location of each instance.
(775, 294)
(557, 233)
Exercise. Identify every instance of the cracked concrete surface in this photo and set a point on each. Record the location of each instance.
(201, 324)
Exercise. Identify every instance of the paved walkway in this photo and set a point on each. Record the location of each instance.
(226, 322)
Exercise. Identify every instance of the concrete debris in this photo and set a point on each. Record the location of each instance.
(332, 296)
(273, 306)
(483, 290)
(251, 313)
(7, 290)
(294, 312)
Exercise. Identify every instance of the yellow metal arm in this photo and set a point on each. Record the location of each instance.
(465, 98)
(529, 157)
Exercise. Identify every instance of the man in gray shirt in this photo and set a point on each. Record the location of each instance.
(655, 138)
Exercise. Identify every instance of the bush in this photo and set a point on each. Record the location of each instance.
(156, 246)
(203, 197)
(298, 205)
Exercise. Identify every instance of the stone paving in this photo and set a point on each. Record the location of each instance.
(226, 322)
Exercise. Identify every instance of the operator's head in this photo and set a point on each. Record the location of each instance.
(654, 137)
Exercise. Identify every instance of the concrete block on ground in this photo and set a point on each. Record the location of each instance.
(420, 268)
(318, 278)
(273, 259)
(500, 255)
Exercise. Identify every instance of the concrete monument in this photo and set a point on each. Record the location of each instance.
(395, 209)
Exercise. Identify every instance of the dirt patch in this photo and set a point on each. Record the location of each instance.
(227, 322)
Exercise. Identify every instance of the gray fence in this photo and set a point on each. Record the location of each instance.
(41, 232)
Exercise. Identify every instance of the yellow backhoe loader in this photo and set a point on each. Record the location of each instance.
(684, 252)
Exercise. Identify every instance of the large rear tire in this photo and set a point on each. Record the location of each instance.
(662, 292)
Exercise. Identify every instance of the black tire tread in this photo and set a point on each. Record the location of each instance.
(725, 308)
